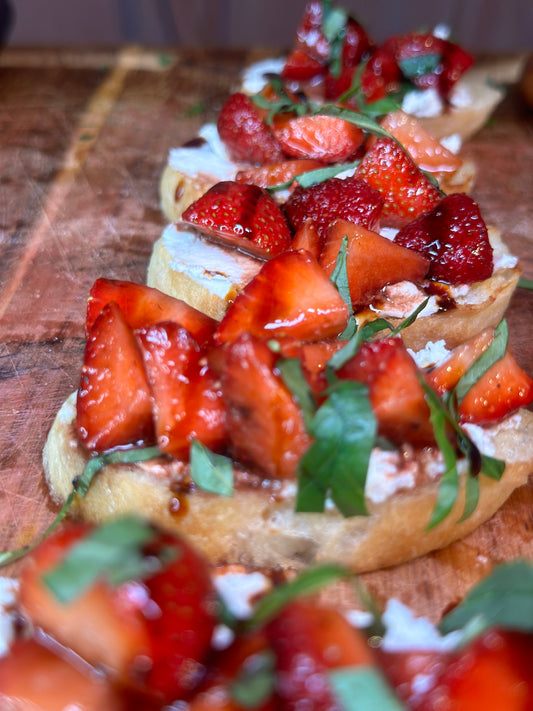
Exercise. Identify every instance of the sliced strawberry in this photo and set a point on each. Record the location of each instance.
(381, 76)
(153, 634)
(277, 173)
(290, 296)
(33, 677)
(492, 673)
(307, 237)
(310, 38)
(300, 66)
(396, 395)
(243, 131)
(114, 403)
(448, 372)
(349, 199)
(243, 216)
(372, 261)
(426, 151)
(265, 425)
(453, 235)
(318, 137)
(187, 401)
(142, 306)
(309, 640)
(407, 192)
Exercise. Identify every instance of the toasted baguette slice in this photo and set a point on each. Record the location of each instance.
(257, 526)
(208, 276)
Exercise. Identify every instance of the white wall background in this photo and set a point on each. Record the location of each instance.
(480, 25)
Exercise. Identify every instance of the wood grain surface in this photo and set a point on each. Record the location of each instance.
(84, 137)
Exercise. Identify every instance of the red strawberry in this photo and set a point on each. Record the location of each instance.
(152, 633)
(307, 237)
(187, 402)
(310, 38)
(319, 137)
(277, 173)
(355, 47)
(143, 306)
(290, 296)
(114, 405)
(372, 261)
(309, 640)
(265, 425)
(492, 673)
(406, 190)
(381, 76)
(349, 199)
(243, 131)
(243, 216)
(396, 395)
(453, 235)
(300, 66)
(404, 669)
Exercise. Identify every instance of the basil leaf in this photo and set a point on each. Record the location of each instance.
(339, 277)
(293, 377)
(502, 599)
(492, 467)
(314, 177)
(211, 472)
(255, 682)
(113, 552)
(413, 67)
(308, 582)
(363, 687)
(344, 430)
(524, 283)
(334, 29)
(491, 355)
(362, 121)
(411, 318)
(471, 495)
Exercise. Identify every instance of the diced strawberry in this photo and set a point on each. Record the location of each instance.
(243, 216)
(372, 261)
(381, 76)
(426, 151)
(33, 677)
(142, 306)
(406, 190)
(405, 669)
(187, 401)
(300, 66)
(396, 395)
(290, 296)
(456, 62)
(153, 634)
(348, 199)
(277, 173)
(319, 137)
(309, 35)
(243, 131)
(453, 235)
(307, 237)
(265, 425)
(114, 403)
(310, 640)
(492, 673)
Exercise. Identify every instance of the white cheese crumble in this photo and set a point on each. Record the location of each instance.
(402, 298)
(406, 632)
(431, 354)
(8, 597)
(201, 160)
(239, 590)
(253, 77)
(423, 103)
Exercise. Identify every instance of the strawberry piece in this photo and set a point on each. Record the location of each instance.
(242, 216)
(426, 151)
(404, 669)
(277, 173)
(265, 425)
(143, 305)
(243, 131)
(349, 199)
(309, 38)
(396, 395)
(492, 673)
(456, 62)
(114, 403)
(115, 625)
(299, 66)
(453, 235)
(290, 296)
(381, 76)
(187, 402)
(309, 641)
(319, 137)
(307, 237)
(33, 677)
(372, 261)
(407, 192)
(356, 45)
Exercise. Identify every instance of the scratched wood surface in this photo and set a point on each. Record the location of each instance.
(84, 136)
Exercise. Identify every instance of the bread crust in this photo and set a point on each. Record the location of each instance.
(258, 527)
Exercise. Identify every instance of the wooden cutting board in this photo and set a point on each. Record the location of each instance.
(84, 137)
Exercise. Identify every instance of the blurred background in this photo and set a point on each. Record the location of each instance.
(479, 25)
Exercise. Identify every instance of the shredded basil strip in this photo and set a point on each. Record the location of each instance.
(308, 582)
(80, 487)
(314, 177)
(524, 283)
(113, 552)
(419, 66)
(502, 599)
(339, 278)
(363, 687)
(293, 377)
(334, 29)
(491, 355)
(211, 472)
